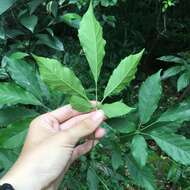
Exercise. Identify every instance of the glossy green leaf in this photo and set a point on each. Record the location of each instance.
(29, 22)
(176, 146)
(15, 135)
(6, 4)
(115, 109)
(52, 8)
(24, 74)
(172, 71)
(183, 81)
(59, 77)
(50, 41)
(123, 74)
(92, 179)
(139, 150)
(91, 39)
(18, 55)
(12, 94)
(12, 114)
(172, 59)
(179, 113)
(142, 177)
(72, 19)
(149, 96)
(80, 104)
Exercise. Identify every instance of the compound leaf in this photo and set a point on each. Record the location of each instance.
(123, 74)
(149, 96)
(90, 36)
(59, 77)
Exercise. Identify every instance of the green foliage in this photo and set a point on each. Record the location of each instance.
(29, 22)
(115, 109)
(140, 143)
(148, 100)
(182, 69)
(123, 74)
(6, 4)
(143, 177)
(139, 150)
(58, 77)
(80, 104)
(12, 94)
(91, 39)
(174, 145)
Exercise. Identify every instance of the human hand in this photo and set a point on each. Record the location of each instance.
(49, 148)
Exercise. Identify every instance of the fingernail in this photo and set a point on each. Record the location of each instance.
(98, 116)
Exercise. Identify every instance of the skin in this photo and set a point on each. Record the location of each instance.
(50, 148)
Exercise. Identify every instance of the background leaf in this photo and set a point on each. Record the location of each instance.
(139, 150)
(72, 19)
(179, 113)
(149, 96)
(115, 109)
(116, 159)
(123, 74)
(50, 41)
(29, 22)
(90, 35)
(176, 146)
(92, 179)
(19, 113)
(172, 71)
(13, 130)
(183, 81)
(6, 4)
(33, 5)
(143, 177)
(171, 58)
(58, 77)
(24, 74)
(12, 94)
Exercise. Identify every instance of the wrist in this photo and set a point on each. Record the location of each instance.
(19, 181)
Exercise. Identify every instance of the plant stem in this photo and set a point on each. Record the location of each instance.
(143, 129)
(96, 89)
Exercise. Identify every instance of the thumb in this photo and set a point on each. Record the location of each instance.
(82, 128)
